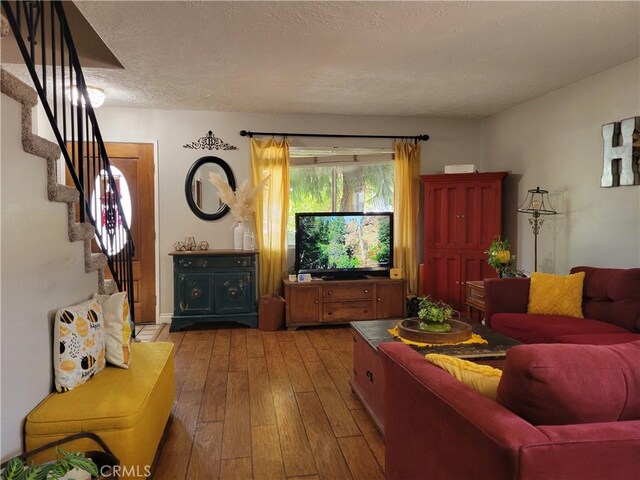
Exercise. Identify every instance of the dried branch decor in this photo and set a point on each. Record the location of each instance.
(242, 201)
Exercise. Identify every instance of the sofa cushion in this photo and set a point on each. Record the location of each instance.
(599, 338)
(481, 378)
(612, 295)
(547, 328)
(551, 294)
(570, 384)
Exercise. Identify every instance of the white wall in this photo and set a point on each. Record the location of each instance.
(555, 142)
(452, 141)
(41, 272)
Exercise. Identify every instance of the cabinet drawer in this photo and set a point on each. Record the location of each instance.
(338, 311)
(216, 262)
(475, 296)
(339, 293)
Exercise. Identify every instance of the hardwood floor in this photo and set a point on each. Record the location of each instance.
(267, 405)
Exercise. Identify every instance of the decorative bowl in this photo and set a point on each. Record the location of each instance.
(409, 329)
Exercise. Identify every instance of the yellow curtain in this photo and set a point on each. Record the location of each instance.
(271, 157)
(406, 198)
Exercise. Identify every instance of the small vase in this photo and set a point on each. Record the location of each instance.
(238, 236)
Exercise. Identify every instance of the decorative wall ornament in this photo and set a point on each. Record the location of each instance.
(210, 142)
(621, 153)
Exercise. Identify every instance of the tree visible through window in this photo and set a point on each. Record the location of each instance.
(344, 187)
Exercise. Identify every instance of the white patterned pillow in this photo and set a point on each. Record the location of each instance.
(117, 327)
(78, 344)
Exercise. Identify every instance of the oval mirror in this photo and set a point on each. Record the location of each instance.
(202, 195)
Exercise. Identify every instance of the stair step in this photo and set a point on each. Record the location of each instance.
(39, 146)
(56, 191)
(94, 261)
(108, 287)
(18, 90)
(4, 26)
(81, 231)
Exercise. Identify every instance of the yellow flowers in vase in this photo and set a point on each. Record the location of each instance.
(500, 258)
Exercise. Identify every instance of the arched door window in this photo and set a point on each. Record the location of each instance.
(110, 225)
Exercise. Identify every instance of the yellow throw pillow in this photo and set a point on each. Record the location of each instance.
(481, 378)
(117, 327)
(551, 294)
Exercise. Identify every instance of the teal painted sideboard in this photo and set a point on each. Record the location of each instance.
(214, 286)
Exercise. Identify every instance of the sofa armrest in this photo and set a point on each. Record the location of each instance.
(587, 451)
(435, 424)
(505, 295)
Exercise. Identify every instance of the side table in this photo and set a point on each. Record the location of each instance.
(214, 286)
(475, 299)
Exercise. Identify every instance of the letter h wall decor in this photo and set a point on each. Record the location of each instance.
(621, 153)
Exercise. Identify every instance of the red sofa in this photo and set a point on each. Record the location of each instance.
(611, 307)
(438, 428)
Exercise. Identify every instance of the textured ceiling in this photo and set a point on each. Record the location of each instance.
(456, 59)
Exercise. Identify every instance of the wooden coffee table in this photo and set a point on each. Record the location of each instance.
(368, 376)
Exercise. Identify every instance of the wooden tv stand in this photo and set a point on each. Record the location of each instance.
(321, 302)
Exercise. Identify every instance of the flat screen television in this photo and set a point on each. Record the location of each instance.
(342, 245)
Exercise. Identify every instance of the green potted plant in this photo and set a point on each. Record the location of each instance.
(17, 469)
(292, 274)
(434, 316)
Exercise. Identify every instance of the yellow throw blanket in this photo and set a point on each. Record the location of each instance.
(475, 338)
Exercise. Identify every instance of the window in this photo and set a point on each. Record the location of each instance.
(109, 224)
(333, 185)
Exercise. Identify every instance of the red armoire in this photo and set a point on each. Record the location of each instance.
(462, 215)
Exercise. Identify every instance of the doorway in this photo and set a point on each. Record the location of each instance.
(132, 165)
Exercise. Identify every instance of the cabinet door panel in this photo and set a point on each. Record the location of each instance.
(390, 301)
(489, 213)
(440, 212)
(475, 267)
(233, 293)
(467, 218)
(443, 278)
(304, 304)
(195, 293)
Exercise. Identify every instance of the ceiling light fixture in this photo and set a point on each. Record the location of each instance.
(96, 96)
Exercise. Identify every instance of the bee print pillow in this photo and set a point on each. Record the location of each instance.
(79, 345)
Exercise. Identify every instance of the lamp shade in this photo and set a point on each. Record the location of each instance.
(96, 96)
(537, 203)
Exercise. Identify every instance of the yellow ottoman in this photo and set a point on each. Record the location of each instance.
(128, 409)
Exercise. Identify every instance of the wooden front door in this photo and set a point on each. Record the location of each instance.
(135, 163)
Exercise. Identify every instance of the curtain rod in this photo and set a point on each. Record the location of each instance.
(246, 133)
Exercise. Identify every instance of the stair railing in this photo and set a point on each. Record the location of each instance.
(45, 41)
